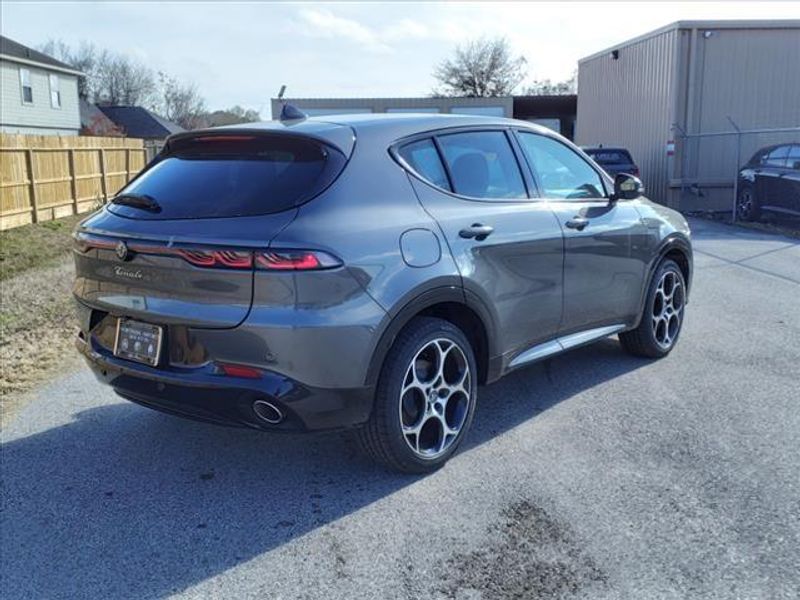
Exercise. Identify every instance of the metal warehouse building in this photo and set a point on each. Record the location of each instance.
(555, 112)
(692, 101)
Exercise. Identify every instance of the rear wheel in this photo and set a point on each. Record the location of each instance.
(425, 398)
(747, 207)
(662, 320)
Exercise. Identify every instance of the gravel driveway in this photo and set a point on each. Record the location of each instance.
(591, 475)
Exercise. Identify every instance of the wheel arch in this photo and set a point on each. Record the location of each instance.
(675, 247)
(452, 304)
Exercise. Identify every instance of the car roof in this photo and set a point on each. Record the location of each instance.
(342, 130)
(386, 125)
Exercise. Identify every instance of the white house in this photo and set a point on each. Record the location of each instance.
(38, 94)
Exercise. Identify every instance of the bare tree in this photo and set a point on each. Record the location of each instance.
(116, 79)
(481, 68)
(108, 77)
(181, 102)
(546, 87)
(231, 116)
(123, 81)
(83, 59)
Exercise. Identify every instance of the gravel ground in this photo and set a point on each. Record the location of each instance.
(591, 475)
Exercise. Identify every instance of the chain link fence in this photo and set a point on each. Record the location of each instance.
(709, 162)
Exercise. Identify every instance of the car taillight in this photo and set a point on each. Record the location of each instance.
(233, 370)
(231, 259)
(296, 260)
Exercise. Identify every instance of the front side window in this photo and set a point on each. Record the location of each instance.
(777, 157)
(561, 172)
(423, 158)
(55, 92)
(25, 82)
(482, 165)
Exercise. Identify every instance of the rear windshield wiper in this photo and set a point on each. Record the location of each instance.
(142, 201)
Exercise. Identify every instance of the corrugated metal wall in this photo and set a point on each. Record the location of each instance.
(502, 106)
(694, 75)
(751, 76)
(628, 102)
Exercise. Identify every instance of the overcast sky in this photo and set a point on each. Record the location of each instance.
(242, 53)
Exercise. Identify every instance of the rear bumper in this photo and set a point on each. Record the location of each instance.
(200, 394)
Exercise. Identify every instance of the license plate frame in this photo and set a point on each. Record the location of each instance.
(131, 332)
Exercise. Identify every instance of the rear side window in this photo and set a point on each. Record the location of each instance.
(423, 157)
(231, 176)
(561, 172)
(482, 165)
(777, 157)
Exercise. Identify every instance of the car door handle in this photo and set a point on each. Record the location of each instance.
(476, 230)
(577, 223)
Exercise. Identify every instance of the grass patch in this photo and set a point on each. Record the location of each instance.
(38, 245)
(37, 323)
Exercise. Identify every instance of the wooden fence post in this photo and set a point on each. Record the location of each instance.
(32, 180)
(127, 165)
(103, 175)
(73, 181)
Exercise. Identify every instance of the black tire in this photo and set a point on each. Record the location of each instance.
(383, 437)
(747, 205)
(657, 324)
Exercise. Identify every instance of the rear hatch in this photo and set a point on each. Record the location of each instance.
(181, 242)
(614, 160)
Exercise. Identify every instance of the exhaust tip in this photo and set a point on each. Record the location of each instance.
(268, 412)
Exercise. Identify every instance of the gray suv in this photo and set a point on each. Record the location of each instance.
(368, 272)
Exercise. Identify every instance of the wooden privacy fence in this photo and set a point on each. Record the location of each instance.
(46, 177)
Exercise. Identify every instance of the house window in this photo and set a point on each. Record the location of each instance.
(55, 92)
(25, 82)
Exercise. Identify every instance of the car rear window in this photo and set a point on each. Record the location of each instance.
(610, 156)
(231, 176)
(423, 157)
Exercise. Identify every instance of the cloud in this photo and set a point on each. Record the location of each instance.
(320, 23)
(406, 29)
(324, 24)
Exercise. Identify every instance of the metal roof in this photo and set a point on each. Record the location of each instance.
(709, 24)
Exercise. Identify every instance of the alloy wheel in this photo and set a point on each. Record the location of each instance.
(745, 204)
(435, 398)
(668, 304)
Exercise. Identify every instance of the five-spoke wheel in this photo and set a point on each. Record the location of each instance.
(662, 319)
(667, 314)
(435, 397)
(425, 397)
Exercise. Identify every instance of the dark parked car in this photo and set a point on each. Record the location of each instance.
(770, 181)
(613, 160)
(368, 271)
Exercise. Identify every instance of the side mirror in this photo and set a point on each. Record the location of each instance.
(627, 187)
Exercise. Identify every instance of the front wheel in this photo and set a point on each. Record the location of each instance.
(662, 319)
(747, 206)
(425, 398)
